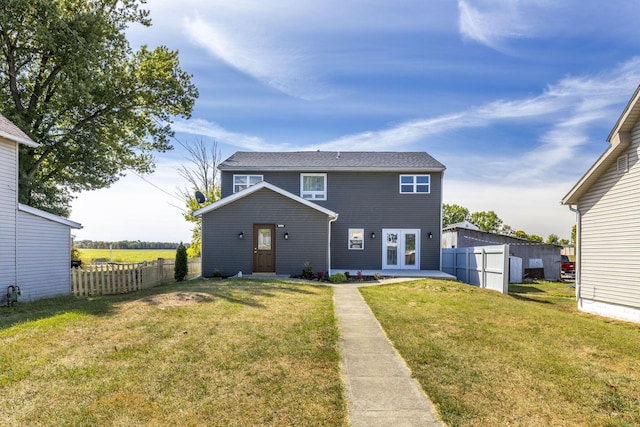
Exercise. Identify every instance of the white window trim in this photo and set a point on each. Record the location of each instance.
(248, 176)
(415, 184)
(313, 193)
(349, 239)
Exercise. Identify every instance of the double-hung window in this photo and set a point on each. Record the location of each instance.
(313, 186)
(356, 238)
(413, 184)
(240, 182)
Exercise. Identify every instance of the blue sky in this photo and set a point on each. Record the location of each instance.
(516, 98)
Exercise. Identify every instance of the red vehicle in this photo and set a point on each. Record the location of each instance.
(568, 268)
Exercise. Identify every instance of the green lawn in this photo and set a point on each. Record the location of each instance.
(126, 255)
(529, 358)
(198, 353)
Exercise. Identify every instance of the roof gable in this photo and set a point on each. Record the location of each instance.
(332, 160)
(12, 132)
(48, 216)
(254, 188)
(619, 140)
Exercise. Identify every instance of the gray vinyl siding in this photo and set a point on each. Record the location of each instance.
(610, 235)
(44, 251)
(372, 201)
(8, 208)
(223, 251)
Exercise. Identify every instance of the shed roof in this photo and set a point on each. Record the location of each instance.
(49, 216)
(332, 160)
(12, 132)
(619, 140)
(259, 186)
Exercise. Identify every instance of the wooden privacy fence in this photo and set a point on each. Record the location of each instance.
(482, 266)
(112, 278)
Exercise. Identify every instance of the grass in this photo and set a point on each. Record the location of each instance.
(528, 358)
(126, 255)
(196, 353)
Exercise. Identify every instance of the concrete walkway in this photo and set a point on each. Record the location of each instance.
(378, 383)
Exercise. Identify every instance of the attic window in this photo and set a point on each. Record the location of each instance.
(623, 164)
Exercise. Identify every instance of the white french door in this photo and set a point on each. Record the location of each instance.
(401, 249)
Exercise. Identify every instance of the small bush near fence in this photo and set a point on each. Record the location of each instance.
(108, 279)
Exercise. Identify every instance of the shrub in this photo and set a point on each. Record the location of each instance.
(320, 275)
(337, 278)
(182, 264)
(307, 271)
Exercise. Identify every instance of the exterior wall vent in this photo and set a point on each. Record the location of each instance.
(623, 164)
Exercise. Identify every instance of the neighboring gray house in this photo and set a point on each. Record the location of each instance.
(534, 255)
(35, 253)
(607, 202)
(339, 211)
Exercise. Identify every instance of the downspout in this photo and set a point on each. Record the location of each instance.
(578, 244)
(334, 219)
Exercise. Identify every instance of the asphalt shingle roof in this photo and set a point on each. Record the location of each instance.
(13, 132)
(331, 160)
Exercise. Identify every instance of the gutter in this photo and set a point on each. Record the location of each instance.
(578, 244)
(333, 219)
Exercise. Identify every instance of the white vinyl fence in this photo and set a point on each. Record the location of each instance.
(482, 266)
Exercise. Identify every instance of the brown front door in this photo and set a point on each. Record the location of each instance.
(264, 248)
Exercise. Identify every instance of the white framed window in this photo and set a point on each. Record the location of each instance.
(356, 239)
(313, 186)
(240, 182)
(622, 164)
(415, 184)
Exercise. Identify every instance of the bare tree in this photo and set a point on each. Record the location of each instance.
(202, 175)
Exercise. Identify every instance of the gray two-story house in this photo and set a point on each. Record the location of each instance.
(338, 211)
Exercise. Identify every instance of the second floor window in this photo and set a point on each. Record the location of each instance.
(313, 186)
(410, 184)
(240, 182)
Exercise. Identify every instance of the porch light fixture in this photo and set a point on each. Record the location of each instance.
(430, 235)
(241, 235)
(286, 236)
(373, 234)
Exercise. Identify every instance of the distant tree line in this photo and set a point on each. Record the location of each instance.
(125, 244)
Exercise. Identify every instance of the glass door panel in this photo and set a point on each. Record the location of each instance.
(410, 249)
(392, 249)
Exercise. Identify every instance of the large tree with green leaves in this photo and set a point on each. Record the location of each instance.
(486, 221)
(452, 214)
(71, 81)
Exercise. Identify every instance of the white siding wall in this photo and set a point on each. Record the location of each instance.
(8, 208)
(610, 249)
(44, 253)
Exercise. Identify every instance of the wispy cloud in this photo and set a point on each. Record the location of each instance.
(566, 110)
(257, 53)
(492, 22)
(220, 134)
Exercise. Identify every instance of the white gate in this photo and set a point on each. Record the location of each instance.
(482, 266)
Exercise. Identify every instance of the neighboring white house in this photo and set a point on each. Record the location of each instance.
(607, 203)
(35, 246)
